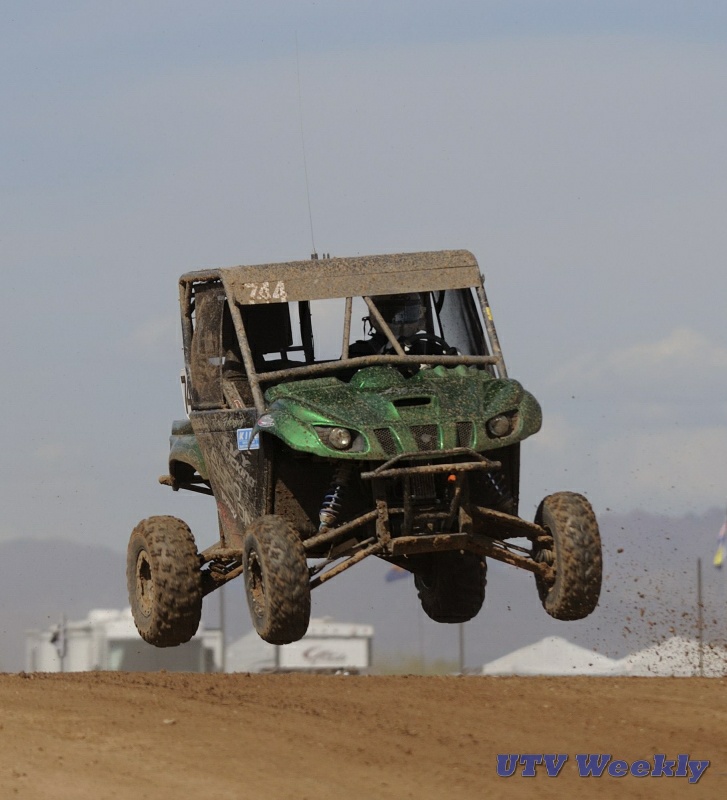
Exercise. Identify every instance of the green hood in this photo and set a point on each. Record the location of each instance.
(388, 414)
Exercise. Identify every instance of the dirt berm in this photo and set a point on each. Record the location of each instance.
(92, 736)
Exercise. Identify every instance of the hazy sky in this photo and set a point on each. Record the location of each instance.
(576, 148)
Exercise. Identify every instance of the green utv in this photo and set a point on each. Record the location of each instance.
(342, 408)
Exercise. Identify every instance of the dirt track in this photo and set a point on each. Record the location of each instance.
(110, 735)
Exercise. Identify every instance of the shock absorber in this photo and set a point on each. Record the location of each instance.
(497, 479)
(333, 501)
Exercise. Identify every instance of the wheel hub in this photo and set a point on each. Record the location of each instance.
(256, 585)
(144, 583)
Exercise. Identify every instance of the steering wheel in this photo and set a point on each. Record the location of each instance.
(426, 344)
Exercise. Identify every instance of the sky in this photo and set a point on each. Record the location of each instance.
(576, 148)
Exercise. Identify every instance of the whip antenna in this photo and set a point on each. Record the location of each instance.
(302, 141)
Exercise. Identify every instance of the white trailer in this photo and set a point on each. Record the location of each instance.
(328, 646)
(108, 640)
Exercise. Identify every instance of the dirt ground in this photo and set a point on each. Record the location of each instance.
(89, 736)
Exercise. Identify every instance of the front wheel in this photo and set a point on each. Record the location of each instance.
(574, 550)
(164, 581)
(277, 581)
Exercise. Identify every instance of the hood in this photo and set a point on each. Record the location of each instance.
(388, 414)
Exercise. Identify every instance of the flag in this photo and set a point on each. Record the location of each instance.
(721, 554)
(395, 573)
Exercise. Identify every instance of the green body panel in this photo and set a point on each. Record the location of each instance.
(184, 447)
(381, 398)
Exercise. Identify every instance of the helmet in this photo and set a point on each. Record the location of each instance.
(405, 314)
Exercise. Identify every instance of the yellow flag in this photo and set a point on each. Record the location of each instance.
(721, 553)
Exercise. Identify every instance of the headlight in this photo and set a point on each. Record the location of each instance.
(500, 426)
(340, 438)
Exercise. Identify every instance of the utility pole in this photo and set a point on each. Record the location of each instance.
(700, 618)
(223, 632)
(461, 648)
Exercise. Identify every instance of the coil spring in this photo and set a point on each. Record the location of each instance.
(333, 501)
(497, 484)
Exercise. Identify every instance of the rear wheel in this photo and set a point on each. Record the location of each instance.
(574, 550)
(277, 581)
(164, 581)
(451, 586)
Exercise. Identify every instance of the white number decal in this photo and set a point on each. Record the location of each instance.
(253, 291)
(260, 292)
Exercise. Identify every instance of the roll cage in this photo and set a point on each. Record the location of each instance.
(239, 333)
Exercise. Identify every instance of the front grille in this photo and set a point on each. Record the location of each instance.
(426, 436)
(464, 434)
(387, 440)
(423, 487)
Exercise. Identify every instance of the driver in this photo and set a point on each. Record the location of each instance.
(406, 316)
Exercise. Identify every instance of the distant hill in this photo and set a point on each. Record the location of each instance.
(41, 580)
(650, 588)
(649, 594)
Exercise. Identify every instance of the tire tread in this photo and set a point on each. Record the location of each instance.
(578, 560)
(451, 589)
(287, 580)
(177, 604)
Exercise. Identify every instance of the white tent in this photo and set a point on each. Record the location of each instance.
(676, 657)
(551, 656)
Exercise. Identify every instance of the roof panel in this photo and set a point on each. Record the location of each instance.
(344, 277)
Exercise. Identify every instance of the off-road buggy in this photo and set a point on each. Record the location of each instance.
(324, 441)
